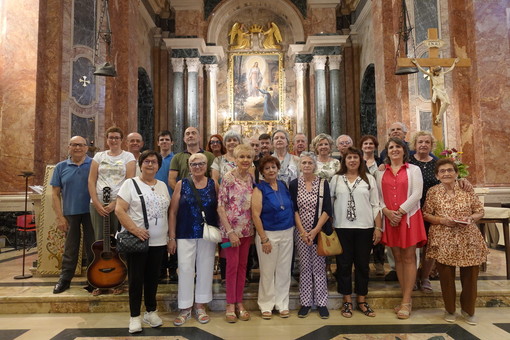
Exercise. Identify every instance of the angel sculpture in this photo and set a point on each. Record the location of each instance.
(273, 37)
(240, 37)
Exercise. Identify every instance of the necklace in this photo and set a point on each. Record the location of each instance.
(277, 194)
(151, 186)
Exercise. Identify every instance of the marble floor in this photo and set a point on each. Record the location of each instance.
(425, 323)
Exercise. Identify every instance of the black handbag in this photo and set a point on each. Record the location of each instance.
(129, 243)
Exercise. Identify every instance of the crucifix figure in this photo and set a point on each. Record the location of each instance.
(437, 80)
(436, 75)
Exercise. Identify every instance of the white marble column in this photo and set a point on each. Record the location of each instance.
(177, 122)
(322, 120)
(301, 117)
(212, 73)
(335, 109)
(192, 115)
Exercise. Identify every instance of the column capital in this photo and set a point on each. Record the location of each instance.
(211, 69)
(157, 36)
(300, 69)
(319, 62)
(178, 64)
(193, 64)
(334, 62)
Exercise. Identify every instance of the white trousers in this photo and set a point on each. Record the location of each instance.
(193, 253)
(274, 285)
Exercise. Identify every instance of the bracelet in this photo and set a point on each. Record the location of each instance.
(230, 231)
(379, 228)
(171, 239)
(264, 241)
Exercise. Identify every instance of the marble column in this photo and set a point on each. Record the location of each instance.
(322, 121)
(192, 114)
(301, 118)
(212, 73)
(335, 109)
(177, 125)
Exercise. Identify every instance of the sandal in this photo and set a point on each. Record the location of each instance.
(118, 290)
(183, 316)
(202, 316)
(284, 314)
(267, 315)
(405, 311)
(231, 316)
(426, 286)
(97, 292)
(243, 315)
(368, 311)
(346, 310)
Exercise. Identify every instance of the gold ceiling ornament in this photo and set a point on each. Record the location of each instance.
(268, 37)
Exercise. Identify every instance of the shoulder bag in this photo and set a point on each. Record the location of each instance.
(211, 233)
(327, 245)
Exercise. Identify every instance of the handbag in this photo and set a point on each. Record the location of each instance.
(129, 243)
(327, 245)
(210, 233)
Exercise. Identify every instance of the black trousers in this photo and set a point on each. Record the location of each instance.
(357, 244)
(143, 274)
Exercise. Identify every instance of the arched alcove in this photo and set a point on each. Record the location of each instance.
(145, 109)
(368, 112)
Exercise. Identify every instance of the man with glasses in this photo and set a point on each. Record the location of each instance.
(343, 142)
(71, 198)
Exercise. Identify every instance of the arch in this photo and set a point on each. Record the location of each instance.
(145, 109)
(229, 9)
(368, 114)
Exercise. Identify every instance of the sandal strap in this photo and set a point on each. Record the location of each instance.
(368, 310)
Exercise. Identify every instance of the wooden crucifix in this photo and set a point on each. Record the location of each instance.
(440, 100)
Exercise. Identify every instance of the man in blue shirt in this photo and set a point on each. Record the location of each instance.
(71, 203)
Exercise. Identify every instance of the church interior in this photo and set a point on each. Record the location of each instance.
(77, 67)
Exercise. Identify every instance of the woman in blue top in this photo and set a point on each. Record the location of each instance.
(273, 217)
(185, 236)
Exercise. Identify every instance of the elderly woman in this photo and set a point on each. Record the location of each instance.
(195, 255)
(143, 268)
(215, 145)
(234, 210)
(327, 166)
(273, 217)
(400, 187)
(313, 283)
(356, 210)
(368, 144)
(454, 239)
(289, 168)
(224, 163)
(109, 168)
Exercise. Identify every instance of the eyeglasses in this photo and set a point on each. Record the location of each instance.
(114, 138)
(344, 143)
(149, 162)
(77, 145)
(197, 165)
(215, 142)
(449, 170)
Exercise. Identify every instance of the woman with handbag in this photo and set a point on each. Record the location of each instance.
(234, 210)
(142, 210)
(192, 212)
(356, 209)
(306, 196)
(273, 217)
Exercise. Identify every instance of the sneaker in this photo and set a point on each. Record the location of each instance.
(323, 312)
(153, 319)
(304, 311)
(391, 276)
(470, 319)
(449, 317)
(135, 324)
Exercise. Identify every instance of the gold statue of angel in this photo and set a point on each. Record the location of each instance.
(240, 37)
(273, 37)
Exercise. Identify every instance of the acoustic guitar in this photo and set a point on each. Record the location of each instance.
(107, 270)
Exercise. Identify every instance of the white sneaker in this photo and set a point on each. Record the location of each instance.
(471, 320)
(135, 324)
(449, 317)
(152, 319)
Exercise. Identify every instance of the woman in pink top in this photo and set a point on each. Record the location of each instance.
(400, 189)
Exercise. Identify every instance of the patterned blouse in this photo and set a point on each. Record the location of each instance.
(463, 245)
(235, 198)
(328, 169)
(222, 165)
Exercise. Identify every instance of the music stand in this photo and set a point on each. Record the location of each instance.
(25, 174)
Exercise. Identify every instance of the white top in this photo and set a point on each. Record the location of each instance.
(327, 169)
(111, 172)
(156, 203)
(366, 200)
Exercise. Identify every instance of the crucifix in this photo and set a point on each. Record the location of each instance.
(440, 100)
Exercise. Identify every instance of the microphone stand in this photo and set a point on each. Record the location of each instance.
(25, 174)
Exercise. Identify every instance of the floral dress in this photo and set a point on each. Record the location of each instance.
(463, 245)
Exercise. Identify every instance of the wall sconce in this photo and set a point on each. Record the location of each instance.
(404, 35)
(105, 33)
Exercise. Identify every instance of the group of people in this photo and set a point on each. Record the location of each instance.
(269, 201)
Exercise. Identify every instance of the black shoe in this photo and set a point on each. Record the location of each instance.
(304, 311)
(172, 275)
(391, 276)
(61, 286)
(323, 312)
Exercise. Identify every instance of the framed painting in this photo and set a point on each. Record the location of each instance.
(256, 86)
